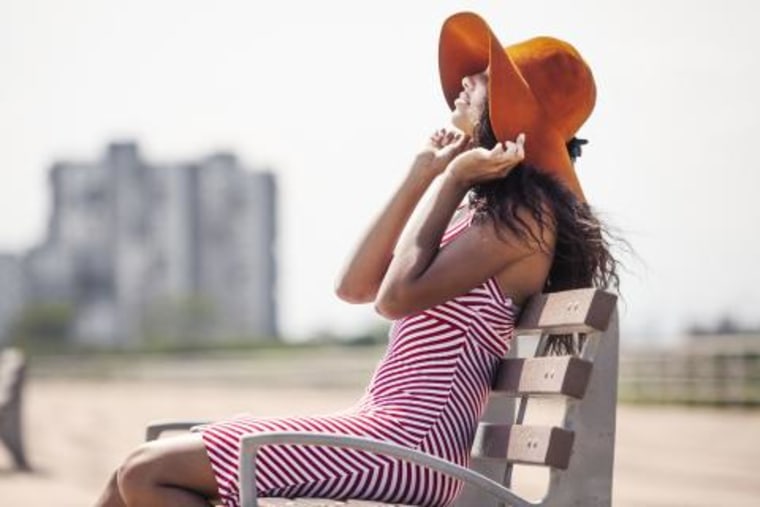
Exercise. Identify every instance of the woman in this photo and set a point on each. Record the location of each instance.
(453, 292)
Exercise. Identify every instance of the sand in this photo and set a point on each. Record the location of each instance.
(78, 431)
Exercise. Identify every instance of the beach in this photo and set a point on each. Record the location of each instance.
(77, 430)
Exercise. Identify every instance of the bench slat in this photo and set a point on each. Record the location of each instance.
(532, 445)
(571, 311)
(565, 375)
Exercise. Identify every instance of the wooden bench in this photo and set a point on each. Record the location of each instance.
(579, 452)
(12, 373)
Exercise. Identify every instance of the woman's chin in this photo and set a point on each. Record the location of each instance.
(461, 123)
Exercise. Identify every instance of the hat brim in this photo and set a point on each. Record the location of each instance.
(468, 46)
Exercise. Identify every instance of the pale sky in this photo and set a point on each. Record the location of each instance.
(336, 96)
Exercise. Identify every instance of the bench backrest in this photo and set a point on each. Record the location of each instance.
(580, 450)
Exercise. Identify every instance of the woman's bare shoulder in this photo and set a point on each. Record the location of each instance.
(528, 233)
(530, 251)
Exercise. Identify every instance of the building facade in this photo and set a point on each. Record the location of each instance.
(179, 252)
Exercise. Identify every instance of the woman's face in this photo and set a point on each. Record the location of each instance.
(468, 107)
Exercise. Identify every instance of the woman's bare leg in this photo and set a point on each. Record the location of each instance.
(168, 472)
(111, 497)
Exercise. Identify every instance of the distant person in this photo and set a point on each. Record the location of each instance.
(452, 279)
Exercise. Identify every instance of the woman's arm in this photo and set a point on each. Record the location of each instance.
(361, 277)
(420, 274)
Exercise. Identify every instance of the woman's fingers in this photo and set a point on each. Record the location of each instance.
(504, 151)
(511, 149)
(505, 156)
(442, 137)
(477, 164)
(457, 140)
(521, 145)
(456, 146)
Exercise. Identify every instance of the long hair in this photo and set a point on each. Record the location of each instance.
(582, 255)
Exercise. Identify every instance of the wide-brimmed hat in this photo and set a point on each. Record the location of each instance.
(541, 86)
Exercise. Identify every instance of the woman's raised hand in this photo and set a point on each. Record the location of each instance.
(480, 164)
(441, 148)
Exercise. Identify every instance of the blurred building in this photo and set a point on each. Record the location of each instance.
(167, 252)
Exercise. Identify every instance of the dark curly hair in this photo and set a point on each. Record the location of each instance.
(582, 255)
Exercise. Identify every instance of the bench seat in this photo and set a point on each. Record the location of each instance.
(321, 502)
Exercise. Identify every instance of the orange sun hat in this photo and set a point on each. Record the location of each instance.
(541, 86)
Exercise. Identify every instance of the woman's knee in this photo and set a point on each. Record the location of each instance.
(140, 470)
(175, 462)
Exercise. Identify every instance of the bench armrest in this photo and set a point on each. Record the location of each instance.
(155, 428)
(250, 444)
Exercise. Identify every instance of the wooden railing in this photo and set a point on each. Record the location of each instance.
(716, 370)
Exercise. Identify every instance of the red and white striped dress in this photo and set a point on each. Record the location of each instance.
(427, 393)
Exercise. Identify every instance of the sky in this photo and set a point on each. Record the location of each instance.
(337, 96)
